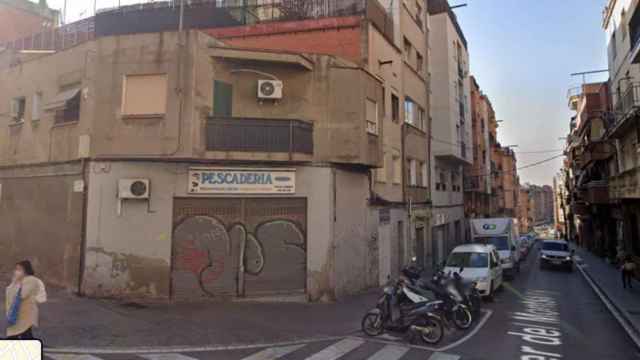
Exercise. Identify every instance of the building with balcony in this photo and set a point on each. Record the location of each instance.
(390, 40)
(477, 177)
(172, 165)
(451, 126)
(506, 182)
(524, 211)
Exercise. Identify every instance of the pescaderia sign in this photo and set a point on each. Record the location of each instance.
(241, 181)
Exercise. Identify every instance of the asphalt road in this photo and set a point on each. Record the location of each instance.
(539, 315)
(551, 314)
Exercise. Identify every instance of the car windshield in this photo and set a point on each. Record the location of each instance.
(553, 246)
(500, 242)
(468, 260)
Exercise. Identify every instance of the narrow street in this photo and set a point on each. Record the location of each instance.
(550, 313)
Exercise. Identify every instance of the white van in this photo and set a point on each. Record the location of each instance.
(503, 234)
(479, 263)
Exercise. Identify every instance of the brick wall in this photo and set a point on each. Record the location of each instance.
(335, 36)
(18, 23)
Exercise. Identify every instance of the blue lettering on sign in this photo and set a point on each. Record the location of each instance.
(235, 178)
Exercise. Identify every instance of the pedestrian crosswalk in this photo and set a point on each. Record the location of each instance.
(350, 348)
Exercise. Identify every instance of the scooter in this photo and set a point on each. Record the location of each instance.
(469, 291)
(401, 310)
(454, 308)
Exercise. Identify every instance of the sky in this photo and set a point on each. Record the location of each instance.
(522, 53)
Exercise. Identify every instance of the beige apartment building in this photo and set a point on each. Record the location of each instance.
(451, 126)
(180, 165)
(161, 165)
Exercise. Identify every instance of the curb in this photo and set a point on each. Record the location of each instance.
(616, 311)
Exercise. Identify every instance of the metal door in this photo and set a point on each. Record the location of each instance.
(231, 246)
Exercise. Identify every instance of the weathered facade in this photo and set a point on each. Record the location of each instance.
(477, 177)
(451, 141)
(154, 167)
(22, 18)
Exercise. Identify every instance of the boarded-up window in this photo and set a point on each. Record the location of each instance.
(144, 95)
(372, 117)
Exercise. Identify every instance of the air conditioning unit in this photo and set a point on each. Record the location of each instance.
(269, 89)
(133, 188)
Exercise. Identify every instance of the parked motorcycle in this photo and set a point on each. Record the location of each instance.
(469, 291)
(454, 307)
(400, 310)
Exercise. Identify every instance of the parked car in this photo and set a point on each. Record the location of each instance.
(556, 253)
(503, 234)
(480, 263)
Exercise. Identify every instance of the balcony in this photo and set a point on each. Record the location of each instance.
(626, 107)
(259, 135)
(596, 151)
(598, 192)
(625, 185)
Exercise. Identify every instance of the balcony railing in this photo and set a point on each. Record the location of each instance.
(259, 135)
(598, 192)
(627, 103)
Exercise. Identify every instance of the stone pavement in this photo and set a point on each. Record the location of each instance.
(70, 321)
(608, 281)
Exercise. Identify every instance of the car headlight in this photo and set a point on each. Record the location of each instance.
(568, 258)
(544, 256)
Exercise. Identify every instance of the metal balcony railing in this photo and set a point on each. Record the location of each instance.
(259, 135)
(628, 103)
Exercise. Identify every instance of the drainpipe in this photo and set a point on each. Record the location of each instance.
(83, 226)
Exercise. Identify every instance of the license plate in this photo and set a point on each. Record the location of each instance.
(556, 262)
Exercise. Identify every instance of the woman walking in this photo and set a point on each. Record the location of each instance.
(22, 298)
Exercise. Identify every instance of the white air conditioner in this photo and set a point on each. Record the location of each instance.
(133, 188)
(269, 89)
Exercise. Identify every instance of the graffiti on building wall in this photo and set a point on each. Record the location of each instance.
(211, 259)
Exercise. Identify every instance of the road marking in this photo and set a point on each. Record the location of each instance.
(388, 337)
(443, 356)
(475, 330)
(185, 349)
(274, 353)
(390, 352)
(72, 357)
(337, 350)
(167, 357)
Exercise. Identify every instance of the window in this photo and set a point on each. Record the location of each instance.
(407, 49)
(395, 108)
(18, 106)
(372, 116)
(420, 63)
(36, 106)
(413, 172)
(414, 114)
(144, 95)
(397, 170)
(70, 111)
(381, 174)
(442, 184)
(424, 174)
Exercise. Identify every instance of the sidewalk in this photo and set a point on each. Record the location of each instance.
(609, 281)
(70, 321)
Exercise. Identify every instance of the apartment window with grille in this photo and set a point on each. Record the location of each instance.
(414, 114)
(397, 169)
(144, 95)
(18, 106)
(372, 116)
(395, 108)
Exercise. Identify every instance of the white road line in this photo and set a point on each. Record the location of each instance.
(166, 357)
(390, 352)
(274, 353)
(337, 350)
(72, 357)
(443, 356)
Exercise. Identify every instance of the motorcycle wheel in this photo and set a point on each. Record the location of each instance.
(372, 325)
(462, 317)
(430, 329)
